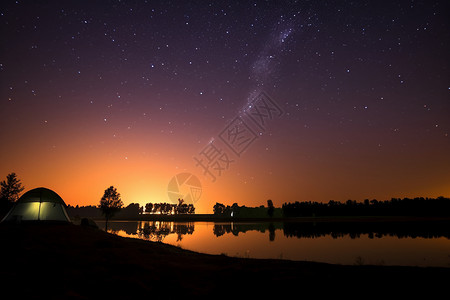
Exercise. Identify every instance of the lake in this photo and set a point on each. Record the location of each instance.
(406, 244)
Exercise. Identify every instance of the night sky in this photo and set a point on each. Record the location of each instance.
(282, 100)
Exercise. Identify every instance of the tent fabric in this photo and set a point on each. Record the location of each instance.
(40, 204)
(41, 195)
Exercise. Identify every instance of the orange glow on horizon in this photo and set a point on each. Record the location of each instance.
(142, 176)
(93, 96)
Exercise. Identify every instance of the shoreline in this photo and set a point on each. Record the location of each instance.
(326, 219)
(86, 263)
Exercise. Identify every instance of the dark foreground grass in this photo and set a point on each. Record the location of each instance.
(65, 261)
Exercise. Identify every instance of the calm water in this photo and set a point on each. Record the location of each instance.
(341, 244)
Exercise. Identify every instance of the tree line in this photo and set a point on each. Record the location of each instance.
(235, 210)
(419, 206)
(110, 204)
(169, 208)
(133, 209)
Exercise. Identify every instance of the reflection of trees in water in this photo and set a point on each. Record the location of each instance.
(236, 228)
(157, 230)
(423, 229)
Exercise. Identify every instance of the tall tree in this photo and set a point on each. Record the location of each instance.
(110, 204)
(11, 188)
(270, 209)
(218, 208)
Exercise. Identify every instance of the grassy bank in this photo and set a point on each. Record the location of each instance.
(75, 262)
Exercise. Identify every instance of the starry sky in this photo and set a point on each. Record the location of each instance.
(282, 100)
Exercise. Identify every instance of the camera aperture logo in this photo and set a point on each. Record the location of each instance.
(184, 186)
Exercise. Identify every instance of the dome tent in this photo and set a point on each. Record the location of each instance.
(40, 204)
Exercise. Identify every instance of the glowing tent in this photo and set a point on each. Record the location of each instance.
(38, 204)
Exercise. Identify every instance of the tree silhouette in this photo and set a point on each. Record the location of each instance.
(110, 204)
(270, 209)
(419, 206)
(11, 188)
(149, 207)
(218, 208)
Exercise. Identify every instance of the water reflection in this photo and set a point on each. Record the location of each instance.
(220, 229)
(423, 229)
(390, 243)
(159, 230)
(155, 231)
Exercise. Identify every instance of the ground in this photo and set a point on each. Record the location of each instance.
(66, 261)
